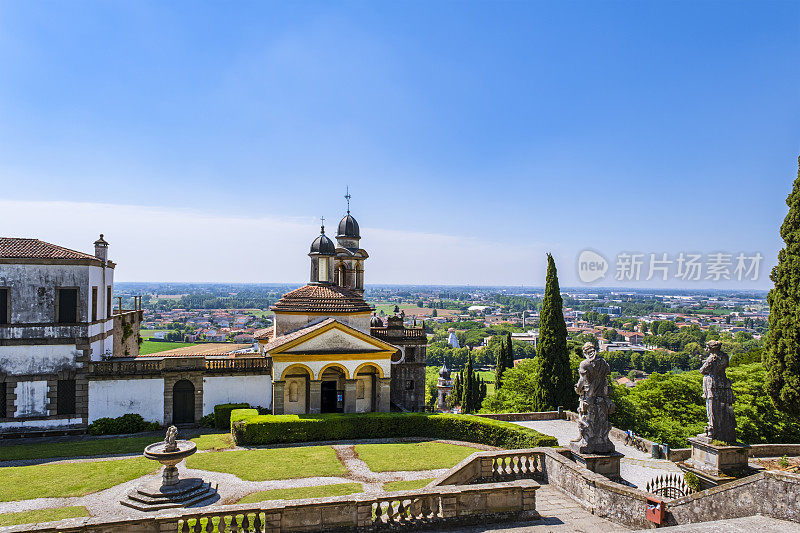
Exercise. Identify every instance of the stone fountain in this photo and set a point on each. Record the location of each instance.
(169, 491)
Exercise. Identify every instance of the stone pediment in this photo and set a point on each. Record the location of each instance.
(332, 337)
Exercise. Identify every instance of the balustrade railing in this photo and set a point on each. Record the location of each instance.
(143, 366)
(415, 510)
(508, 467)
(238, 364)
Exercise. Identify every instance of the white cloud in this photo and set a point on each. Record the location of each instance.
(161, 244)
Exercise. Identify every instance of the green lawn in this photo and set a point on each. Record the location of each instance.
(412, 484)
(42, 515)
(488, 377)
(214, 441)
(70, 479)
(277, 463)
(323, 491)
(148, 347)
(412, 455)
(102, 446)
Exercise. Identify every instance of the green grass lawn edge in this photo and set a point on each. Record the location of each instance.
(38, 516)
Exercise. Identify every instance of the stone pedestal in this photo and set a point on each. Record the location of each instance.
(716, 464)
(153, 496)
(605, 464)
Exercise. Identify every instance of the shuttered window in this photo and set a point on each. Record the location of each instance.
(65, 401)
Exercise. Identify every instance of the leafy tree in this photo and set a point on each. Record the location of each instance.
(554, 377)
(782, 346)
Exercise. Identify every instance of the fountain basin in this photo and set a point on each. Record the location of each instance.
(158, 452)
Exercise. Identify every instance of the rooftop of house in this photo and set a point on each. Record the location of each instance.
(19, 248)
(321, 299)
(201, 350)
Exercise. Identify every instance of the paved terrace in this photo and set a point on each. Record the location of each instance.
(637, 467)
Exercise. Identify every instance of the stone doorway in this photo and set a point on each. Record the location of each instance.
(183, 402)
(332, 400)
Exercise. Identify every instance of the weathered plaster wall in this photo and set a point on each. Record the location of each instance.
(32, 290)
(31, 398)
(255, 390)
(38, 359)
(113, 398)
(122, 346)
(364, 384)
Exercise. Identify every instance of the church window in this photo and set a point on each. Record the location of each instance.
(94, 304)
(410, 355)
(108, 302)
(323, 269)
(409, 384)
(293, 394)
(360, 389)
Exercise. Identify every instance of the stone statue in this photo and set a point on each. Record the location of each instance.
(594, 406)
(170, 444)
(718, 394)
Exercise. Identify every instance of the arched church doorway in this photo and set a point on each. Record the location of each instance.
(183, 402)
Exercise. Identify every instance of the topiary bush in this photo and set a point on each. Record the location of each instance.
(222, 413)
(249, 428)
(128, 423)
(208, 421)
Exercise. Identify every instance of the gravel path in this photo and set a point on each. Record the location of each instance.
(637, 467)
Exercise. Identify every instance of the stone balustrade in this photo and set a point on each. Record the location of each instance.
(489, 467)
(146, 366)
(407, 510)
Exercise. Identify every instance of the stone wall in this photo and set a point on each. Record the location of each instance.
(127, 346)
(411, 510)
(772, 493)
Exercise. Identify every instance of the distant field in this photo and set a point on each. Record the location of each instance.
(149, 333)
(412, 310)
(488, 377)
(149, 347)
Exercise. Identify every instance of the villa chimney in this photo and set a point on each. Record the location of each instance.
(101, 249)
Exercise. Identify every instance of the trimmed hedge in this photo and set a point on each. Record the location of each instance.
(129, 423)
(222, 413)
(251, 429)
(242, 414)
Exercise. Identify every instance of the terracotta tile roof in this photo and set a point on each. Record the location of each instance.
(201, 350)
(321, 299)
(264, 334)
(35, 249)
(283, 339)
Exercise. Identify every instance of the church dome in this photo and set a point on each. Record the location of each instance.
(375, 322)
(348, 227)
(323, 245)
(444, 372)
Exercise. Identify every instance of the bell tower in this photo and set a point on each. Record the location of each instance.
(350, 257)
(322, 256)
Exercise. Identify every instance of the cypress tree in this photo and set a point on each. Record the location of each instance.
(468, 387)
(509, 351)
(554, 376)
(500, 367)
(782, 345)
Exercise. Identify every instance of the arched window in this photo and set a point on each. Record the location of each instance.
(293, 394)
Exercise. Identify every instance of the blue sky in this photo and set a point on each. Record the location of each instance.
(503, 129)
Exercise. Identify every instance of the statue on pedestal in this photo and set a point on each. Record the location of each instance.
(170, 443)
(718, 394)
(594, 406)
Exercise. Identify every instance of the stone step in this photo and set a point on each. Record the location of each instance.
(167, 498)
(206, 492)
(184, 486)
